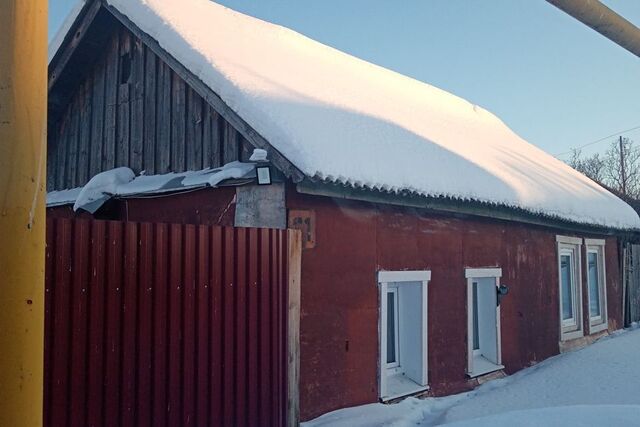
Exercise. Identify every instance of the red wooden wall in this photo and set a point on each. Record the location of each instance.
(339, 299)
(164, 325)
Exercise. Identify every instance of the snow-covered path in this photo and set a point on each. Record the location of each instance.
(605, 373)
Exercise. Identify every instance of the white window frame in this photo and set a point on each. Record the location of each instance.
(387, 279)
(472, 274)
(598, 323)
(572, 246)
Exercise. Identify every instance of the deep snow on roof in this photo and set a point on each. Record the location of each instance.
(341, 119)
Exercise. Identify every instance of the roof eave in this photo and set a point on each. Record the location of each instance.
(460, 208)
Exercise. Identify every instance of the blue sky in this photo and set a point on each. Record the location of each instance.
(554, 81)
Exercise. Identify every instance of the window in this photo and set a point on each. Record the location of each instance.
(392, 327)
(403, 332)
(596, 281)
(570, 287)
(483, 321)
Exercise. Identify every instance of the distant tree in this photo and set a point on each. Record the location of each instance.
(618, 169)
(622, 170)
(593, 167)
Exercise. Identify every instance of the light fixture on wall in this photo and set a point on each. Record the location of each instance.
(263, 174)
(502, 291)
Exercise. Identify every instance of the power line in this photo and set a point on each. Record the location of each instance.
(599, 140)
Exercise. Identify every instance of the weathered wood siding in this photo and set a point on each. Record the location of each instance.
(132, 110)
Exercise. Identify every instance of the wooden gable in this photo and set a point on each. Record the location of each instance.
(118, 99)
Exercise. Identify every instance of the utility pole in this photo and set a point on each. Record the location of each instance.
(622, 171)
(23, 109)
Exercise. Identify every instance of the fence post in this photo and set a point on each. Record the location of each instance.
(294, 249)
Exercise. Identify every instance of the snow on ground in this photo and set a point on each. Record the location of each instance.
(341, 119)
(583, 388)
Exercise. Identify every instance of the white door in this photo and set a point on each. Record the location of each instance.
(483, 353)
(486, 318)
(403, 332)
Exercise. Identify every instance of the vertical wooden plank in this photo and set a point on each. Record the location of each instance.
(113, 308)
(203, 300)
(124, 100)
(241, 327)
(231, 144)
(178, 120)
(72, 143)
(253, 324)
(188, 324)
(174, 404)
(194, 130)
(265, 327)
(246, 149)
(61, 153)
(217, 136)
(52, 158)
(146, 288)
(61, 335)
(160, 327)
(229, 331)
(163, 124)
(129, 324)
(84, 137)
(150, 76)
(79, 320)
(136, 149)
(217, 277)
(97, 119)
(206, 136)
(95, 397)
(294, 276)
(112, 82)
(50, 271)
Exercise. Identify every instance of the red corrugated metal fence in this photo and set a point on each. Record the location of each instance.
(164, 325)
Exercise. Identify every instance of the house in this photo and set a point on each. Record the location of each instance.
(439, 247)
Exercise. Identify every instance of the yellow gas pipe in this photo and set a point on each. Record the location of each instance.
(23, 109)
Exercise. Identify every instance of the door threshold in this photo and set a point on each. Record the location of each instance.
(482, 367)
(418, 389)
(398, 385)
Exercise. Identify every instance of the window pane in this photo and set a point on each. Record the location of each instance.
(476, 338)
(594, 291)
(391, 327)
(566, 274)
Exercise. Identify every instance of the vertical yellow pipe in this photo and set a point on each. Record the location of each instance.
(23, 91)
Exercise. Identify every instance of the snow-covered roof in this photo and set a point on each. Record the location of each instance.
(340, 119)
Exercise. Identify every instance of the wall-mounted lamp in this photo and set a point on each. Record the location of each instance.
(501, 292)
(263, 174)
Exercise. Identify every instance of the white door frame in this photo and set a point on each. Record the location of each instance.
(470, 275)
(398, 277)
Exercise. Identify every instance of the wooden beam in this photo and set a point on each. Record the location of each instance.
(85, 41)
(212, 98)
(294, 249)
(72, 40)
(453, 207)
